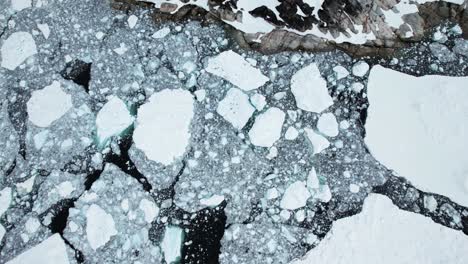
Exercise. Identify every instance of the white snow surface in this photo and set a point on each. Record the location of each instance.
(295, 196)
(50, 251)
(163, 125)
(48, 104)
(112, 119)
(384, 234)
(310, 89)
(236, 108)
(100, 226)
(328, 125)
(235, 69)
(418, 127)
(16, 49)
(267, 127)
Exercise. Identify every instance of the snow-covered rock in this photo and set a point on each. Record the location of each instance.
(417, 126)
(267, 127)
(382, 233)
(310, 89)
(163, 125)
(235, 69)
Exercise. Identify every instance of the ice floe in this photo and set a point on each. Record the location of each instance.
(113, 118)
(236, 108)
(100, 226)
(267, 127)
(328, 125)
(417, 126)
(50, 251)
(16, 49)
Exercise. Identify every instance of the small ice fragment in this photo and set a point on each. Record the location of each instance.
(318, 141)
(430, 203)
(328, 125)
(172, 244)
(354, 188)
(113, 118)
(161, 33)
(48, 105)
(360, 69)
(121, 49)
(272, 193)
(341, 72)
(312, 179)
(291, 133)
(149, 208)
(132, 21)
(212, 201)
(236, 108)
(258, 101)
(295, 196)
(5, 200)
(235, 69)
(45, 30)
(40, 139)
(310, 90)
(100, 226)
(267, 127)
(16, 49)
(19, 5)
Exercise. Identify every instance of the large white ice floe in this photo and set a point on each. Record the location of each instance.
(50, 251)
(384, 234)
(48, 104)
(113, 118)
(267, 127)
(310, 89)
(171, 244)
(236, 108)
(100, 226)
(16, 49)
(418, 126)
(328, 125)
(235, 69)
(162, 129)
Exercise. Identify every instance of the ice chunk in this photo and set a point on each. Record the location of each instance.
(172, 244)
(417, 126)
(313, 180)
(235, 69)
(212, 201)
(112, 119)
(236, 108)
(384, 234)
(360, 69)
(5, 200)
(354, 188)
(16, 49)
(267, 127)
(163, 125)
(132, 21)
(100, 226)
(150, 210)
(19, 5)
(44, 28)
(295, 196)
(328, 125)
(2, 232)
(341, 72)
(48, 105)
(291, 133)
(161, 33)
(50, 251)
(258, 101)
(319, 142)
(310, 89)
